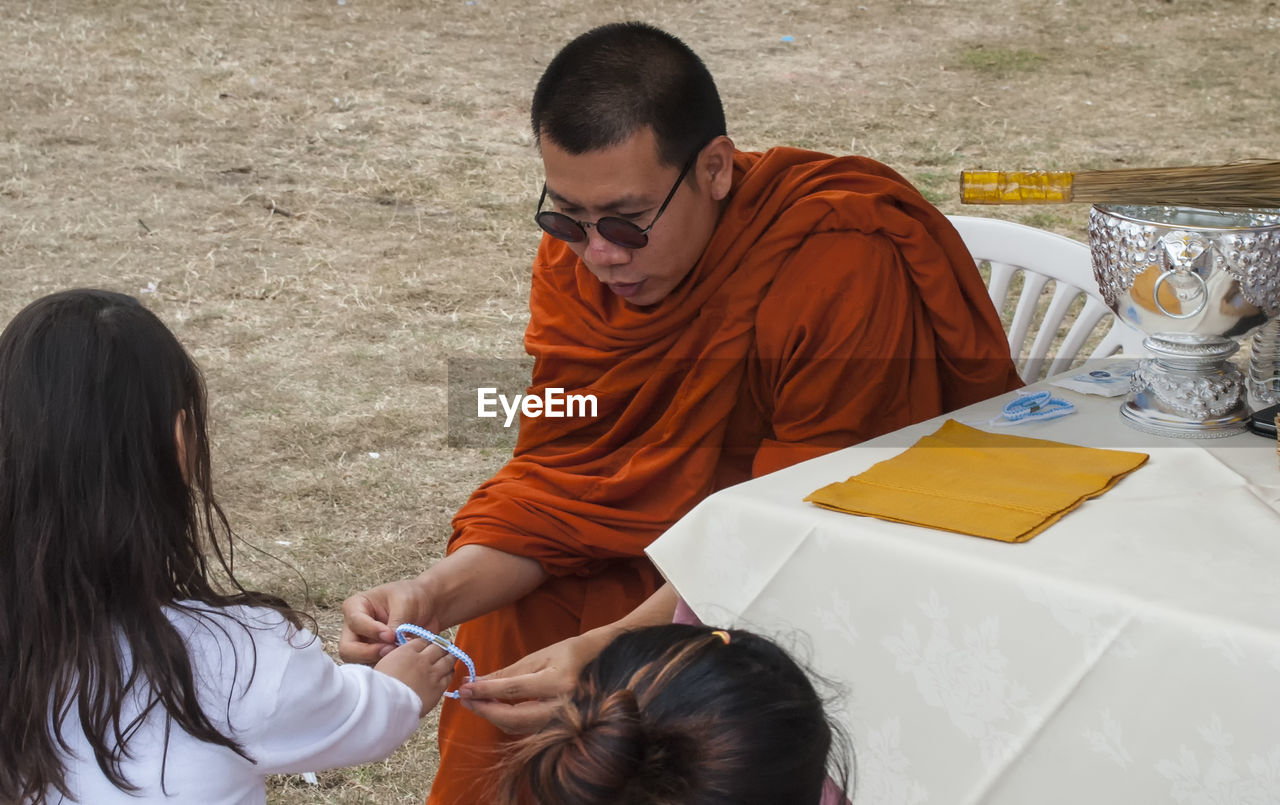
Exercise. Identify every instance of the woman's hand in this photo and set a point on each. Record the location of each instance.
(524, 696)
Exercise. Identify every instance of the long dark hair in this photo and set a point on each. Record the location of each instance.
(101, 528)
(675, 715)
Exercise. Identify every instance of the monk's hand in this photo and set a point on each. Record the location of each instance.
(369, 619)
(523, 697)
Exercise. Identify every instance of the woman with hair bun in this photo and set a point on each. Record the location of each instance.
(683, 715)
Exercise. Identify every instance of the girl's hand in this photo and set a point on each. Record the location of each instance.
(422, 666)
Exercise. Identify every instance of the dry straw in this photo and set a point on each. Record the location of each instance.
(1250, 184)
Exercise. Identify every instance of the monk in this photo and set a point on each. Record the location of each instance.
(733, 313)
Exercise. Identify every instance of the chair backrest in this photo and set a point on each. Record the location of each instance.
(1040, 256)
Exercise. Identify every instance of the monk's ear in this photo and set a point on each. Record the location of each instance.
(715, 167)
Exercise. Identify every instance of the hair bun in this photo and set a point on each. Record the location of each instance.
(592, 754)
(611, 738)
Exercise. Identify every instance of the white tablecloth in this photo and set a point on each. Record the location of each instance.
(1128, 654)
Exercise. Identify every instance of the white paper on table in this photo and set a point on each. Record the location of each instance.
(1109, 381)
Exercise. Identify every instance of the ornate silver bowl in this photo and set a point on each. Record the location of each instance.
(1193, 280)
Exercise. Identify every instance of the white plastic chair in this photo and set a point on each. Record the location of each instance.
(1042, 256)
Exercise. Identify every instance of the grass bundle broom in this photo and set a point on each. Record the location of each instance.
(1250, 184)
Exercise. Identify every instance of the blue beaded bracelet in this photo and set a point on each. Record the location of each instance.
(1036, 405)
(432, 637)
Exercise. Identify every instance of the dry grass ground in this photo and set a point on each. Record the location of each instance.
(328, 199)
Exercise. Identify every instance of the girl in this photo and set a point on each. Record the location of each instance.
(136, 667)
(683, 715)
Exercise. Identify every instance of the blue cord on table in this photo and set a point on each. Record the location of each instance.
(432, 637)
(1037, 405)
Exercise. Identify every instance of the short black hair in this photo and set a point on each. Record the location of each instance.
(615, 80)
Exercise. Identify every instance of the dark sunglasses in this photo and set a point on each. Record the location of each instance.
(618, 231)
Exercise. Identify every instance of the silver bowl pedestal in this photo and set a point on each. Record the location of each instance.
(1194, 281)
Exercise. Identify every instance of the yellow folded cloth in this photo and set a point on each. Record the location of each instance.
(989, 485)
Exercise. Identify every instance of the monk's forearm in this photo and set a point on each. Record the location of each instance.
(475, 580)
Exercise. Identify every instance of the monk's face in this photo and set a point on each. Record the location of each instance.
(629, 181)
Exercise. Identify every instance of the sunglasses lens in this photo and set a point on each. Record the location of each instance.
(623, 233)
(560, 226)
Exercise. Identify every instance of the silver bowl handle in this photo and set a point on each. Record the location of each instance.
(1181, 248)
(1202, 292)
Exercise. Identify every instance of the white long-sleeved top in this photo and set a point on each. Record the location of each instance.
(272, 688)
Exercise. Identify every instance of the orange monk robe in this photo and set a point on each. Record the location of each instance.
(832, 304)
